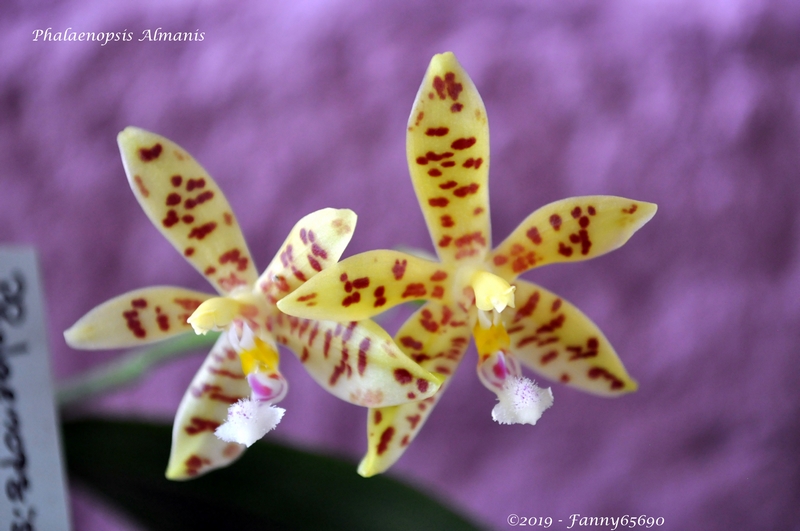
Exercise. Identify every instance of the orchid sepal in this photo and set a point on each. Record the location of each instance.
(187, 206)
(570, 230)
(136, 318)
(447, 147)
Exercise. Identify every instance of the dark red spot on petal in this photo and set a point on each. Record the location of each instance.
(456, 107)
(433, 172)
(468, 239)
(176, 180)
(586, 243)
(599, 372)
(438, 276)
(316, 250)
(139, 303)
(153, 153)
(173, 199)
(437, 131)
(448, 185)
(466, 190)
(402, 376)
(191, 184)
(351, 299)
(547, 358)
(463, 143)
(199, 425)
(189, 251)
(362, 355)
(414, 290)
(576, 212)
(591, 210)
(386, 436)
(378, 417)
(500, 260)
(200, 199)
(422, 161)
(399, 269)
(555, 221)
(171, 219)
(438, 202)
(453, 88)
(203, 230)
(134, 324)
(314, 263)
(534, 236)
(140, 185)
(447, 221)
(439, 87)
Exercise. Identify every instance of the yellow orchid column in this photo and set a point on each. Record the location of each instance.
(231, 401)
(473, 290)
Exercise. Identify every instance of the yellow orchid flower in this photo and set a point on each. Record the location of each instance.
(240, 380)
(474, 290)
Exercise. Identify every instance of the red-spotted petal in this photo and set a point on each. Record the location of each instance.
(447, 147)
(136, 318)
(555, 339)
(570, 230)
(357, 361)
(436, 337)
(316, 242)
(218, 384)
(367, 284)
(188, 207)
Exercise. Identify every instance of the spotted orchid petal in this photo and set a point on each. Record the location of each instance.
(572, 229)
(218, 384)
(437, 341)
(136, 318)
(552, 337)
(316, 242)
(188, 207)
(367, 284)
(357, 362)
(447, 146)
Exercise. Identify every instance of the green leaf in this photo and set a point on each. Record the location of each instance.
(270, 487)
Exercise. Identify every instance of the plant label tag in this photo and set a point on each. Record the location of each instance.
(32, 487)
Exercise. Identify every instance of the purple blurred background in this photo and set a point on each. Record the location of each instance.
(295, 106)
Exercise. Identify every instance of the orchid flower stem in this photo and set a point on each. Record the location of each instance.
(129, 368)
